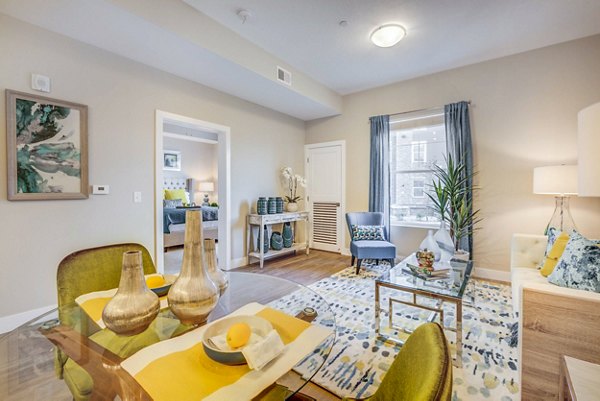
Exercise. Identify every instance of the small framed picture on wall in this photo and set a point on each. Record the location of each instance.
(172, 160)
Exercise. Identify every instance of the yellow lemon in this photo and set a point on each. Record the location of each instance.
(155, 281)
(238, 335)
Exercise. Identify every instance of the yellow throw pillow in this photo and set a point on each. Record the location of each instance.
(171, 194)
(554, 255)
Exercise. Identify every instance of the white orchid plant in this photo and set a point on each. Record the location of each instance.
(291, 182)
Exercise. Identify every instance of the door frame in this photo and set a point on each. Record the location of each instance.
(342, 222)
(224, 191)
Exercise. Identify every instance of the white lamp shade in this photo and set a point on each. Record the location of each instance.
(588, 143)
(555, 180)
(206, 186)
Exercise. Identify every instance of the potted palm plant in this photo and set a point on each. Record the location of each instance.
(452, 202)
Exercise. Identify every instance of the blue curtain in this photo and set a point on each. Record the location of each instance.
(458, 139)
(379, 181)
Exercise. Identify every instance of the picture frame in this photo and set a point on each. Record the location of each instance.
(172, 160)
(47, 148)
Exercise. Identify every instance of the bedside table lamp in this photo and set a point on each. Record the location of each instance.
(560, 181)
(206, 187)
(588, 138)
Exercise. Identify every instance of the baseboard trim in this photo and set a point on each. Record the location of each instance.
(491, 274)
(11, 322)
(239, 262)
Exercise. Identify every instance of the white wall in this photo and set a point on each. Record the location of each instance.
(122, 97)
(523, 115)
(198, 161)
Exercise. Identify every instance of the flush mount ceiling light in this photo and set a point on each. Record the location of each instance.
(388, 35)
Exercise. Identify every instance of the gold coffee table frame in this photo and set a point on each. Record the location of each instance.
(449, 291)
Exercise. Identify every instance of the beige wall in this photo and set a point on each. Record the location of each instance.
(523, 115)
(198, 161)
(122, 97)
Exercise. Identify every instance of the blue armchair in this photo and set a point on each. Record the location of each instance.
(369, 249)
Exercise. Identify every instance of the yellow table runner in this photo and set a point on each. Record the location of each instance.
(93, 303)
(179, 369)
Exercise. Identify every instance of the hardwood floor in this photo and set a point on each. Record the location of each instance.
(301, 268)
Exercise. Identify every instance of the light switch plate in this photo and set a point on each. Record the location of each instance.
(100, 189)
(137, 197)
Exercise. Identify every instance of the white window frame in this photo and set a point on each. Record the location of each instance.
(417, 147)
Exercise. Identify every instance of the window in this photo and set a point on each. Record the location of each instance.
(419, 151)
(418, 188)
(417, 143)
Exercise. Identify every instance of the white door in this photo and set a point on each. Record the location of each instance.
(325, 174)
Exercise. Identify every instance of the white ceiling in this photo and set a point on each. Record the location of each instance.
(214, 48)
(442, 34)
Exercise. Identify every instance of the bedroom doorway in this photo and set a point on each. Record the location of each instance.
(177, 138)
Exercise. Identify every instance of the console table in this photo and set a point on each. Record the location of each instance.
(261, 220)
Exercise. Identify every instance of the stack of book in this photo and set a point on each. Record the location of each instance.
(440, 269)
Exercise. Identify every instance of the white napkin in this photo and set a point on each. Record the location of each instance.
(220, 341)
(259, 354)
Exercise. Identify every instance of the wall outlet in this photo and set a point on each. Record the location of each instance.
(137, 197)
(100, 189)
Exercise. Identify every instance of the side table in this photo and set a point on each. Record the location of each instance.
(579, 380)
(261, 220)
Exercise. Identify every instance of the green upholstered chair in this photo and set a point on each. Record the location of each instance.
(86, 271)
(422, 371)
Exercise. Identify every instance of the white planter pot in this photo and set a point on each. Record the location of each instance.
(462, 255)
(292, 207)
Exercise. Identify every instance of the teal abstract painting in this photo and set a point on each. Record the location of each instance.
(47, 148)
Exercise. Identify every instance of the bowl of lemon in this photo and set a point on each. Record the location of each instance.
(160, 284)
(224, 340)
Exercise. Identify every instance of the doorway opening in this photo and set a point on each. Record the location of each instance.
(175, 137)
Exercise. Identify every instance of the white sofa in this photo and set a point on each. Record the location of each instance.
(553, 321)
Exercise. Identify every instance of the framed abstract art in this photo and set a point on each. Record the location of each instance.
(46, 148)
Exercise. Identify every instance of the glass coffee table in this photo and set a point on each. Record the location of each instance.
(450, 289)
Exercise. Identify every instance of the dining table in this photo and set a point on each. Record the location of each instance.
(29, 354)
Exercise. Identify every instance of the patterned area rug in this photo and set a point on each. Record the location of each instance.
(358, 360)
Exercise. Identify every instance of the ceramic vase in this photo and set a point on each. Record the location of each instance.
(430, 244)
(292, 207)
(276, 241)
(265, 243)
(261, 205)
(279, 204)
(444, 241)
(218, 276)
(271, 206)
(134, 306)
(287, 234)
(193, 295)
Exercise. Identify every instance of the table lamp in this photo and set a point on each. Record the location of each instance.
(206, 187)
(588, 142)
(560, 181)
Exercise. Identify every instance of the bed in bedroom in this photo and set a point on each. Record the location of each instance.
(174, 212)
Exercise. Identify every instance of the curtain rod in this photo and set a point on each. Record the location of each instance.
(427, 109)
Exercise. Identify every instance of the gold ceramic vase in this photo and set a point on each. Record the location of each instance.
(193, 295)
(134, 306)
(218, 276)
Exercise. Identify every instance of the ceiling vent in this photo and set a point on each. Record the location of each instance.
(284, 76)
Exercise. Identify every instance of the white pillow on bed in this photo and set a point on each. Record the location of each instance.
(172, 203)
